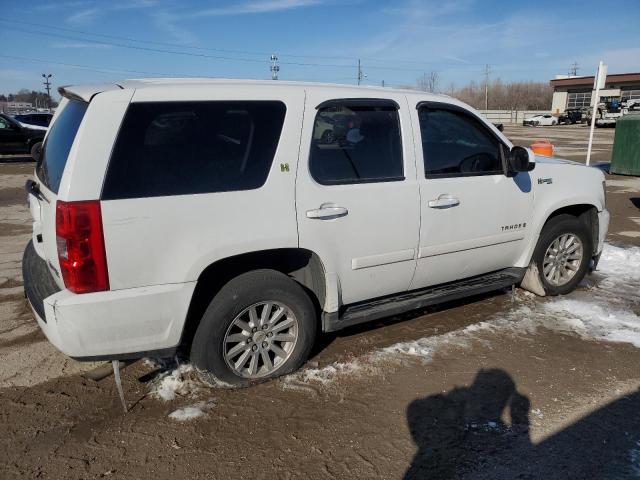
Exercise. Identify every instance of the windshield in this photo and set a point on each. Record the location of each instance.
(58, 144)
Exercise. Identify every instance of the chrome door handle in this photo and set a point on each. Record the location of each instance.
(327, 212)
(444, 201)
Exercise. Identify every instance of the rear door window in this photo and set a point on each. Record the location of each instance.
(58, 144)
(180, 148)
(356, 143)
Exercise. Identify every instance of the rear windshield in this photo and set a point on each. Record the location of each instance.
(58, 143)
(182, 148)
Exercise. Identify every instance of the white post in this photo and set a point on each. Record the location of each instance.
(598, 83)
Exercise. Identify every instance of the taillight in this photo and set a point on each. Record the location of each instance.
(80, 241)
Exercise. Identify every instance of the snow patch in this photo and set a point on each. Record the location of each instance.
(193, 411)
(600, 312)
(597, 321)
(178, 382)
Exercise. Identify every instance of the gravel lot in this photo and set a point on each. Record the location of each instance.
(491, 387)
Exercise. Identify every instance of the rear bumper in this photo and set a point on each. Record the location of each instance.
(120, 324)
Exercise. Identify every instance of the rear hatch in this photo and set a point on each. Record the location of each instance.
(43, 193)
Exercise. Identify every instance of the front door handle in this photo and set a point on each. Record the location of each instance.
(327, 211)
(444, 201)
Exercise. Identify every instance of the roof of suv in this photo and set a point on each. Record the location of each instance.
(86, 92)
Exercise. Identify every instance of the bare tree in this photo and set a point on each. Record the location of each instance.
(521, 95)
(428, 82)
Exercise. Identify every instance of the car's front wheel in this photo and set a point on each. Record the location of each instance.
(563, 254)
(261, 325)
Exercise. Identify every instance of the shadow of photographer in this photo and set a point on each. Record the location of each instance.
(482, 431)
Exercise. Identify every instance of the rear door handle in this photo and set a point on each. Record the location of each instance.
(327, 211)
(444, 201)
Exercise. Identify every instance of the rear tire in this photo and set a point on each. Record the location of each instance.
(559, 270)
(238, 344)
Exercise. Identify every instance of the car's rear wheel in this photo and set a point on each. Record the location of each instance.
(35, 150)
(563, 254)
(554, 123)
(261, 325)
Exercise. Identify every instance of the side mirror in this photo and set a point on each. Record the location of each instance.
(521, 159)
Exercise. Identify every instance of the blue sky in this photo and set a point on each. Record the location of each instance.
(81, 41)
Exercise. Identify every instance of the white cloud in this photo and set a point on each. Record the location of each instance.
(166, 22)
(84, 16)
(266, 6)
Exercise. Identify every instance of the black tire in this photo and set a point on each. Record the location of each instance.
(536, 123)
(207, 349)
(35, 150)
(560, 225)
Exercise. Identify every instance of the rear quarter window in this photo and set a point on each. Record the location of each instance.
(56, 147)
(180, 148)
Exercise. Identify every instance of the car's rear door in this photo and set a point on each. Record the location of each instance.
(356, 193)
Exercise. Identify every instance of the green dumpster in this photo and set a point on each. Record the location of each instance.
(625, 159)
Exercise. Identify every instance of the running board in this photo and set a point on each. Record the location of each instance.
(399, 303)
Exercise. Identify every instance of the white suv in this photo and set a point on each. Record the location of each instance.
(239, 218)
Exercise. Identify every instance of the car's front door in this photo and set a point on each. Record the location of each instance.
(474, 217)
(356, 193)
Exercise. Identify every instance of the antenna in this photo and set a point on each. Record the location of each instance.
(573, 71)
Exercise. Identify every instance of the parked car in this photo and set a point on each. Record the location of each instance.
(540, 120)
(16, 138)
(40, 119)
(234, 220)
(571, 116)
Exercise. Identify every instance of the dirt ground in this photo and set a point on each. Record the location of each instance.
(497, 386)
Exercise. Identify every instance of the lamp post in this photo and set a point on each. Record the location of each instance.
(47, 85)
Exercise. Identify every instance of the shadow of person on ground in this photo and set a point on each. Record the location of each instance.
(458, 431)
(482, 432)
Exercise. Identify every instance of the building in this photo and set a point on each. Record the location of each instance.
(14, 107)
(577, 92)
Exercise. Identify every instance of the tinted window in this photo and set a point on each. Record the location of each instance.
(356, 144)
(58, 144)
(454, 143)
(179, 148)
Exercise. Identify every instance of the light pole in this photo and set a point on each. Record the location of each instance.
(47, 85)
(275, 68)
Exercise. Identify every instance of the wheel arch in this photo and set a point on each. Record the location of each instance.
(585, 211)
(302, 265)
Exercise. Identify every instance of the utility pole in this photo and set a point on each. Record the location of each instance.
(361, 75)
(487, 71)
(47, 85)
(573, 71)
(275, 68)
